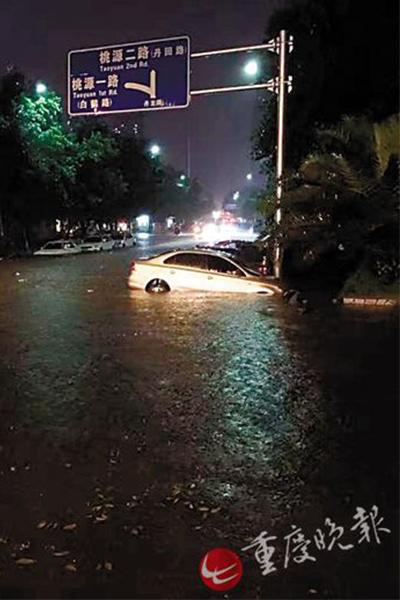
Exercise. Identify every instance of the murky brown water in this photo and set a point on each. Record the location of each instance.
(164, 426)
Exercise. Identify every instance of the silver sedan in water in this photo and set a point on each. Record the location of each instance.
(198, 270)
(59, 248)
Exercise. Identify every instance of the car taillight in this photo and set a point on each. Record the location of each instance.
(132, 267)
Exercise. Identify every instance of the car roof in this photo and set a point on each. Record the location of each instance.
(207, 252)
(58, 241)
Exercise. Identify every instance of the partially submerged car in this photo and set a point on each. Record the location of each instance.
(123, 240)
(59, 248)
(197, 270)
(97, 243)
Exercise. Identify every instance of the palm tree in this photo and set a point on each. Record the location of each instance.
(348, 188)
(357, 161)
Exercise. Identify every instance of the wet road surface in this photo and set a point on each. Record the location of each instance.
(139, 432)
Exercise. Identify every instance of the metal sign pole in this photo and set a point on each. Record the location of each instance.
(281, 115)
(280, 141)
(280, 45)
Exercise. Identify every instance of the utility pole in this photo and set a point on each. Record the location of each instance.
(281, 122)
(280, 85)
(188, 146)
(283, 84)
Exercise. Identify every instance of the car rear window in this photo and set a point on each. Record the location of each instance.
(243, 265)
(188, 259)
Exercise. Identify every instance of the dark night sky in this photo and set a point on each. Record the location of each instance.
(35, 35)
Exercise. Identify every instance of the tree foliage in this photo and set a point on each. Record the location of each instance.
(52, 150)
(341, 135)
(77, 172)
(345, 62)
(348, 188)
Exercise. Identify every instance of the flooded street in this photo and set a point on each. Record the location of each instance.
(138, 432)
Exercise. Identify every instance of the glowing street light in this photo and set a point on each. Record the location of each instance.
(236, 195)
(143, 221)
(249, 176)
(41, 88)
(251, 68)
(155, 150)
(182, 181)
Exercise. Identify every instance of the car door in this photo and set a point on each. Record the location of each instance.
(55, 248)
(225, 276)
(187, 270)
(106, 242)
(68, 248)
(128, 240)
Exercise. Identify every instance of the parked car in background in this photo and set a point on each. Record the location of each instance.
(129, 240)
(250, 253)
(232, 252)
(59, 248)
(123, 240)
(198, 270)
(97, 243)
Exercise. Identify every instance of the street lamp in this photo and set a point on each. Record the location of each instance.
(41, 88)
(249, 176)
(155, 150)
(236, 195)
(182, 181)
(251, 68)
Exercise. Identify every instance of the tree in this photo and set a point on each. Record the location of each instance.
(51, 169)
(344, 196)
(52, 157)
(14, 163)
(53, 150)
(345, 62)
(186, 201)
(140, 175)
(99, 185)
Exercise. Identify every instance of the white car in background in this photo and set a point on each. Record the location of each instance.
(59, 248)
(123, 240)
(97, 243)
(197, 270)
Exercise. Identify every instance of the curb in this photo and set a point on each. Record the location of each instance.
(368, 301)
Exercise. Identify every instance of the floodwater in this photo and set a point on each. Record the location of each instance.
(139, 432)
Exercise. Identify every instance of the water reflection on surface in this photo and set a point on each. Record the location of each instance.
(183, 403)
(50, 328)
(253, 397)
(264, 400)
(231, 383)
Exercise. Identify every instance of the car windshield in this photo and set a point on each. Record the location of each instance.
(93, 239)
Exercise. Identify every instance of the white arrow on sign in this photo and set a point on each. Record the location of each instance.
(150, 90)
